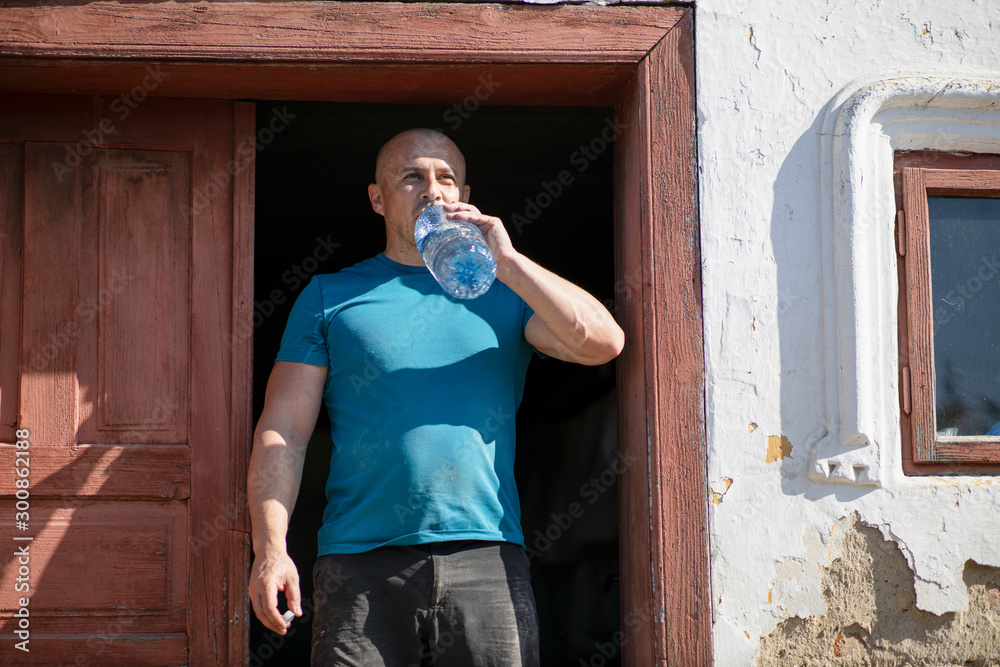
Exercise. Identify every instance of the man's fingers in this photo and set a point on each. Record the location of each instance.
(272, 576)
(265, 605)
(271, 596)
(255, 603)
(293, 596)
(263, 614)
(273, 617)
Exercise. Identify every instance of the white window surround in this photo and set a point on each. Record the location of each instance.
(865, 123)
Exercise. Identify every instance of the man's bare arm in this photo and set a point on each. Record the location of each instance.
(569, 323)
(292, 403)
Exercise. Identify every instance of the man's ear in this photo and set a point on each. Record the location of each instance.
(465, 195)
(375, 196)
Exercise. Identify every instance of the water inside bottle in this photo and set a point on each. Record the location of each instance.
(455, 252)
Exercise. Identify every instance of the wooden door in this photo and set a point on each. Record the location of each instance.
(637, 58)
(126, 534)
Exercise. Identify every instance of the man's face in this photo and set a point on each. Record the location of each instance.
(415, 171)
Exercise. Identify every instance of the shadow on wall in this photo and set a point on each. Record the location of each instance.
(868, 590)
(798, 246)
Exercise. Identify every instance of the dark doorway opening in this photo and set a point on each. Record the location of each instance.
(547, 172)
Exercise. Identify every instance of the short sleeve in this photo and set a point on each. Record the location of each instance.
(304, 340)
(526, 313)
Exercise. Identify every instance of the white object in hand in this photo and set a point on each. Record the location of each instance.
(456, 253)
(288, 616)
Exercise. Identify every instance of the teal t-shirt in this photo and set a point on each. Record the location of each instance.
(421, 391)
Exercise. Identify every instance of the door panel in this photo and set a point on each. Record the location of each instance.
(146, 295)
(123, 378)
(128, 561)
(11, 210)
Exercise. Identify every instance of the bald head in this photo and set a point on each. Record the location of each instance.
(413, 169)
(423, 141)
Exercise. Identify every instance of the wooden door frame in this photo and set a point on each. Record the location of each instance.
(639, 59)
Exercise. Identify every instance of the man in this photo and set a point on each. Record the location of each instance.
(421, 552)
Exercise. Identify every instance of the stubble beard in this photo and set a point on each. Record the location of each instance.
(405, 240)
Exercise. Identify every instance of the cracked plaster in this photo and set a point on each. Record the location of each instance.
(771, 356)
(869, 615)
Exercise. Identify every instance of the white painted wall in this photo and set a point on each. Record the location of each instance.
(799, 107)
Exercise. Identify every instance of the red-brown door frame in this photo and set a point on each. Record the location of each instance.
(637, 58)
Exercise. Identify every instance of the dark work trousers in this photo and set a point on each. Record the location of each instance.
(460, 604)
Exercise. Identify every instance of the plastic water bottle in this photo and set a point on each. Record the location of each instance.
(455, 252)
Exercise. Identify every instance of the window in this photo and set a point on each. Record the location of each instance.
(948, 240)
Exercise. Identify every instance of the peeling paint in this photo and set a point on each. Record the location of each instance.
(872, 618)
(778, 447)
(715, 497)
(797, 578)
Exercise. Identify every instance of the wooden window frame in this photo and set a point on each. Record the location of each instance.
(919, 175)
(639, 59)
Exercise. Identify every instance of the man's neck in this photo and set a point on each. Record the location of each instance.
(406, 256)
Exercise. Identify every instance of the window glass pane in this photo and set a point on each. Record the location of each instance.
(965, 284)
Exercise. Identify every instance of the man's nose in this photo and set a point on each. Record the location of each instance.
(433, 191)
